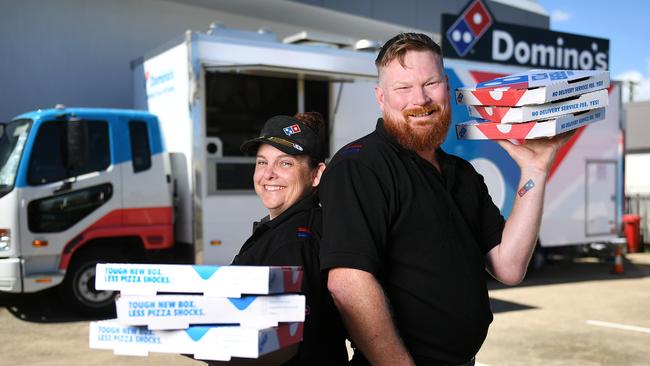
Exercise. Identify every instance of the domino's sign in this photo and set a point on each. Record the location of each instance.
(475, 35)
(469, 27)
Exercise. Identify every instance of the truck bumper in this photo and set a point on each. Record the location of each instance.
(11, 275)
(12, 279)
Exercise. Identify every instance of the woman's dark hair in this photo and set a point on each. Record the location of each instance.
(316, 122)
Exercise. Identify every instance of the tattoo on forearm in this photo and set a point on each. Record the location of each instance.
(527, 187)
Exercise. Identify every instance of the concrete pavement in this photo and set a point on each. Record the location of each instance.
(565, 314)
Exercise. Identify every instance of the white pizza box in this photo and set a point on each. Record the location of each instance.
(181, 311)
(220, 281)
(597, 99)
(485, 130)
(533, 87)
(219, 343)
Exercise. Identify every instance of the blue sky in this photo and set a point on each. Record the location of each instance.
(625, 23)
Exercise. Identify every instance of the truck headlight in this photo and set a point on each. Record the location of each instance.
(5, 239)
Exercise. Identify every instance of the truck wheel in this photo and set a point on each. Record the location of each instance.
(79, 287)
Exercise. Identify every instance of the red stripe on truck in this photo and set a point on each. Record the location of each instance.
(153, 225)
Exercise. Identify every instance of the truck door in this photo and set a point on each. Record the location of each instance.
(59, 204)
(601, 197)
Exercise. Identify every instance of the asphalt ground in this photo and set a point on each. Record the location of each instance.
(573, 313)
(567, 313)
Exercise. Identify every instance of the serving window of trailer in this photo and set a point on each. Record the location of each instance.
(238, 102)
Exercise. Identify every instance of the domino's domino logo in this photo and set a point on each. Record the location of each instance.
(290, 130)
(469, 27)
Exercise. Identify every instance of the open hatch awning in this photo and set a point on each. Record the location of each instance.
(281, 71)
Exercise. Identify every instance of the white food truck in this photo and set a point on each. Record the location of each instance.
(82, 186)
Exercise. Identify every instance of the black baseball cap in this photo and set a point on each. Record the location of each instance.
(288, 135)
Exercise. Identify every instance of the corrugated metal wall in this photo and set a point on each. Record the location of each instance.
(638, 127)
(425, 14)
(78, 52)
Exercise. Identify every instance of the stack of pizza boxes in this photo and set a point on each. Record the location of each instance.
(533, 104)
(209, 312)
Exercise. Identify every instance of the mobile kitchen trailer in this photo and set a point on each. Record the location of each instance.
(82, 186)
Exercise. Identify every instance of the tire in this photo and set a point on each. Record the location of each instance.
(78, 288)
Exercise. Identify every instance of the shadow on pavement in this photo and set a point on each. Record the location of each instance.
(578, 270)
(502, 306)
(42, 307)
(568, 271)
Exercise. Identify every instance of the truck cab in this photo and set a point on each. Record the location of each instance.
(77, 187)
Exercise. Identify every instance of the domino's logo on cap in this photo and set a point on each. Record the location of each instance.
(469, 27)
(290, 130)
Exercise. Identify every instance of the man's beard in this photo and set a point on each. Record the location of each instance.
(420, 139)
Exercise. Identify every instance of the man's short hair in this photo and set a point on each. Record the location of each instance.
(397, 47)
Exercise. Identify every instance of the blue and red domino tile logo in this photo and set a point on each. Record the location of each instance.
(469, 27)
(290, 130)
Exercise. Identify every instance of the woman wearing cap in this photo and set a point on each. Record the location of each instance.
(288, 166)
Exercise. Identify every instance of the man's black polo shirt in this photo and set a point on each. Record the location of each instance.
(293, 239)
(422, 234)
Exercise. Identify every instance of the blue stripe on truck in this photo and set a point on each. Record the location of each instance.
(118, 132)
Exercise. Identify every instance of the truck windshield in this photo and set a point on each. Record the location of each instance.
(12, 143)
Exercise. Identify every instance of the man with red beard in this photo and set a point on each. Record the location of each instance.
(410, 230)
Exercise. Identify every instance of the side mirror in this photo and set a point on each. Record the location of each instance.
(77, 144)
(2, 128)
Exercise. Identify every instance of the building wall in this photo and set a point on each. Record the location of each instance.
(426, 14)
(637, 135)
(637, 148)
(637, 174)
(78, 52)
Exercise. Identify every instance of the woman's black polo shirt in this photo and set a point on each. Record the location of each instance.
(293, 239)
(421, 233)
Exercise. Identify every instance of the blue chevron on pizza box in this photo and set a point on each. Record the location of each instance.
(220, 281)
(220, 343)
(181, 311)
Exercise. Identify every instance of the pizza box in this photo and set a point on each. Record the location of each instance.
(526, 113)
(485, 130)
(219, 281)
(181, 311)
(533, 87)
(219, 343)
